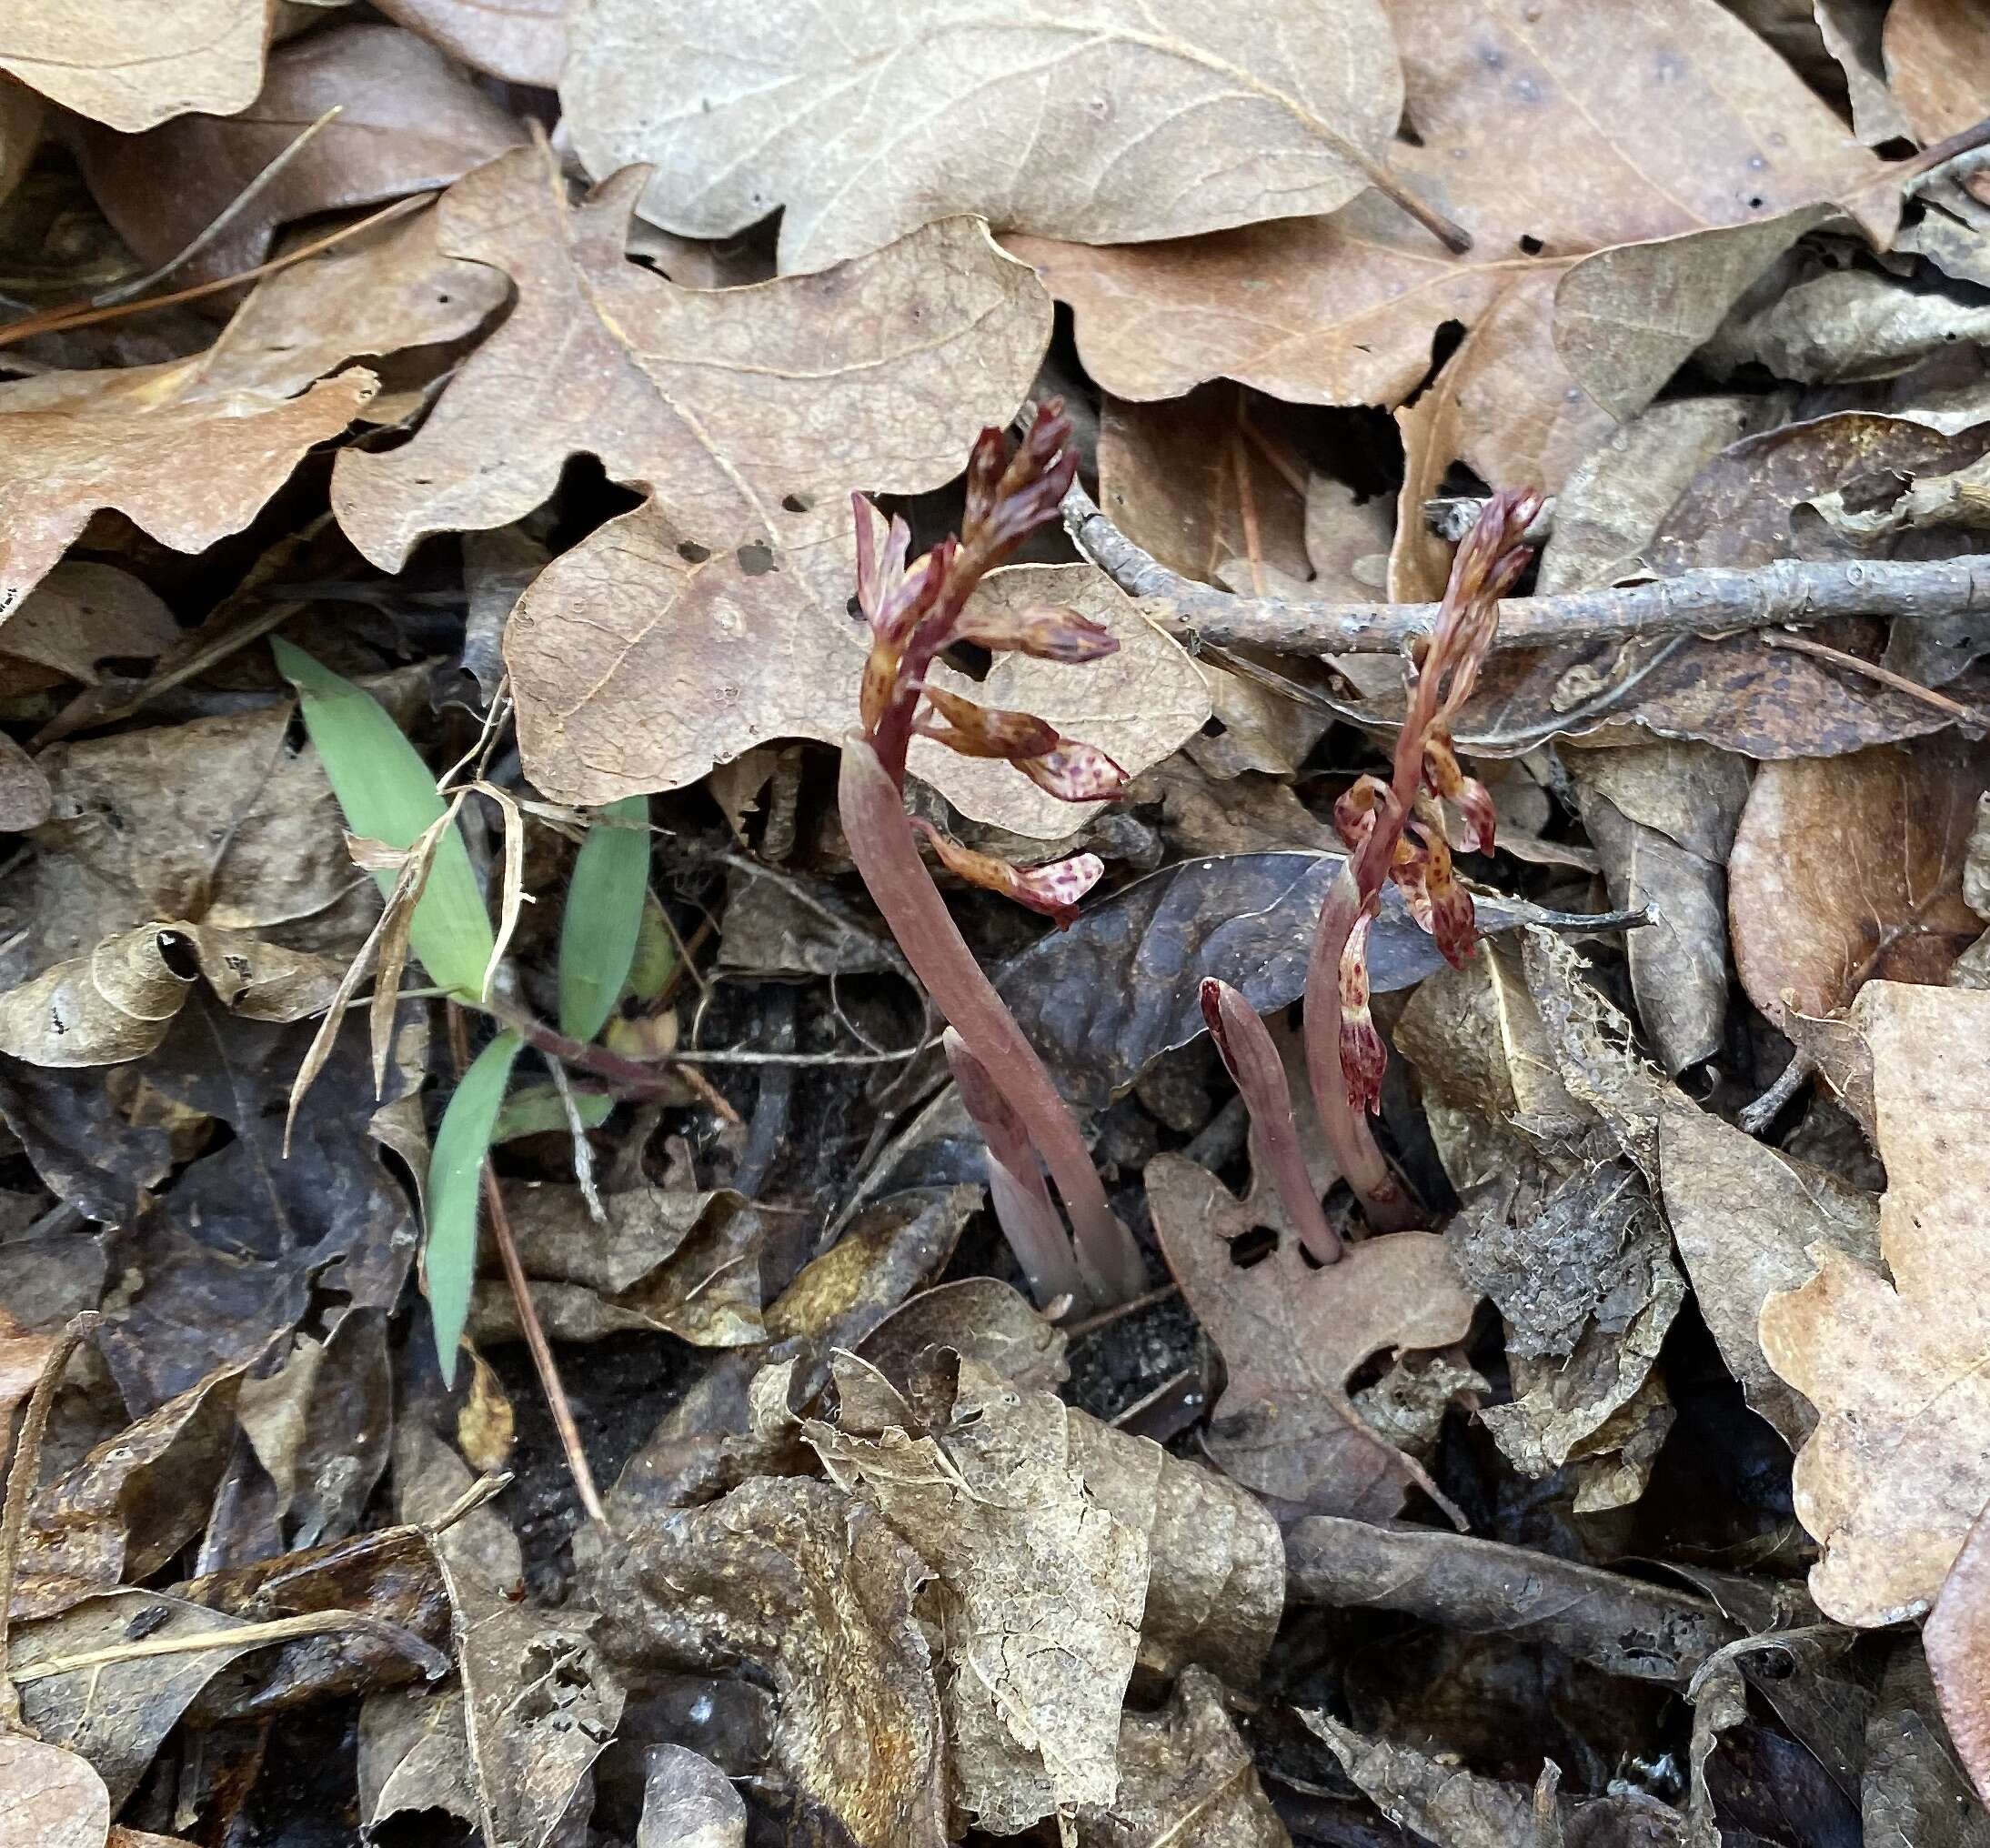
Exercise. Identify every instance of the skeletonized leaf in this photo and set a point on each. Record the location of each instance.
(603, 917)
(1127, 121)
(456, 1174)
(388, 794)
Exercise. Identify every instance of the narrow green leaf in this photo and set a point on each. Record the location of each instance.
(534, 1109)
(655, 953)
(604, 915)
(456, 1174)
(388, 794)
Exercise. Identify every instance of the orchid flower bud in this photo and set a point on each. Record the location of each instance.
(1042, 631)
(1442, 775)
(988, 731)
(1446, 910)
(1354, 812)
(1075, 772)
(1363, 1056)
(1053, 888)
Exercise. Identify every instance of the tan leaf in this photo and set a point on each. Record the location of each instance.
(117, 1003)
(1292, 1336)
(1848, 868)
(1957, 1639)
(52, 1797)
(1937, 54)
(521, 40)
(408, 120)
(82, 613)
(189, 467)
(1899, 1466)
(1130, 121)
(378, 294)
(818, 1591)
(723, 404)
(132, 69)
(25, 794)
(1674, 117)
(1746, 1217)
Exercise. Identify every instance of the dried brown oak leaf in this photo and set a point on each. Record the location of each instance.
(132, 66)
(1661, 120)
(1130, 120)
(1292, 1336)
(1957, 1639)
(188, 463)
(817, 1590)
(1037, 1542)
(1937, 55)
(1899, 1466)
(408, 120)
(521, 40)
(49, 1798)
(1848, 868)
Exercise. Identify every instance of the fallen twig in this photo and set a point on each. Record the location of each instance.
(1711, 602)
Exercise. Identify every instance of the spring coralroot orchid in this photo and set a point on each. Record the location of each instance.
(1259, 1073)
(1394, 831)
(916, 610)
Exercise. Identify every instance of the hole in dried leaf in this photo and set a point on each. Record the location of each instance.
(1530, 245)
(692, 553)
(1248, 1249)
(797, 503)
(755, 559)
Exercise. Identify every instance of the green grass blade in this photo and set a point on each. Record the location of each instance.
(456, 1172)
(388, 794)
(536, 1109)
(604, 915)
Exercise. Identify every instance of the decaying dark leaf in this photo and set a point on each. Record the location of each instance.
(1105, 998)
(686, 1263)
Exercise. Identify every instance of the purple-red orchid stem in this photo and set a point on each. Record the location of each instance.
(1015, 1183)
(1253, 1063)
(879, 834)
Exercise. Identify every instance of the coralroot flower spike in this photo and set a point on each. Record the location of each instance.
(916, 611)
(1395, 831)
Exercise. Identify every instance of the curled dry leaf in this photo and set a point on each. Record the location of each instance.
(1895, 1474)
(192, 465)
(521, 40)
(1957, 1639)
(1293, 1337)
(134, 70)
(686, 1263)
(1679, 118)
(1184, 1769)
(1912, 1789)
(1135, 122)
(1847, 869)
(818, 1591)
(408, 120)
(54, 1800)
(1621, 1625)
(118, 1003)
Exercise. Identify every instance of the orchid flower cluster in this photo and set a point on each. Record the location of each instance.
(916, 612)
(1395, 832)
